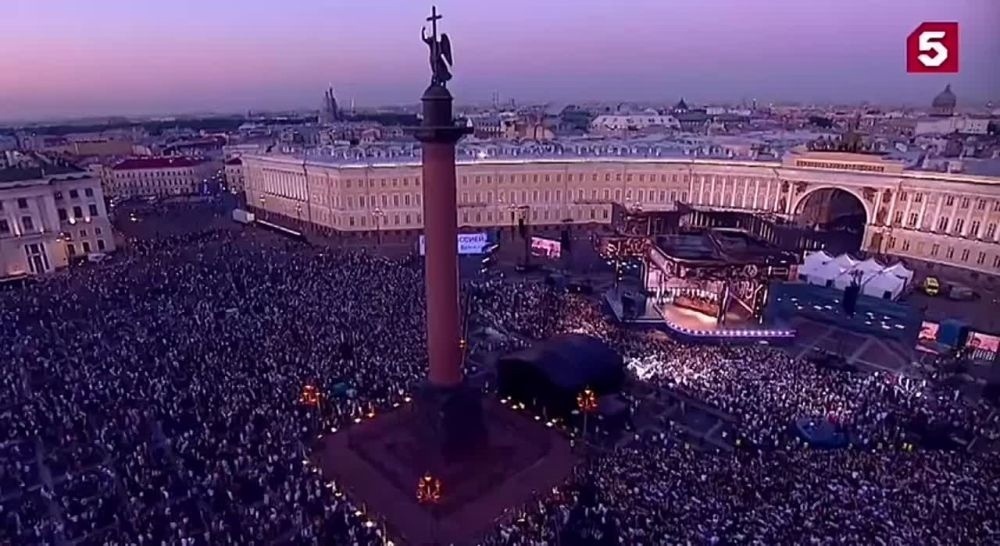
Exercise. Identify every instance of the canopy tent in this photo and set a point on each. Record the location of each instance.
(839, 272)
(813, 263)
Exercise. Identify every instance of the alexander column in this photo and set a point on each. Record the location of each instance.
(452, 412)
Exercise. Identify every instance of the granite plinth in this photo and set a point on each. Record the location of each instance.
(380, 461)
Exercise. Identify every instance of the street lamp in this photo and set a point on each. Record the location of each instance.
(262, 209)
(586, 401)
(298, 214)
(377, 215)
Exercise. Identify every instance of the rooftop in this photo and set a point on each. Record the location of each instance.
(138, 163)
(22, 174)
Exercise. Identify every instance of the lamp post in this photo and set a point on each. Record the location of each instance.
(377, 215)
(586, 401)
(262, 209)
(298, 215)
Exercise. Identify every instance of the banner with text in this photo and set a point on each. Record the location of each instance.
(468, 243)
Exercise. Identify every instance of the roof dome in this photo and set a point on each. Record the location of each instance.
(945, 99)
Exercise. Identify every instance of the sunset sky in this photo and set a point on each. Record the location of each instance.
(99, 57)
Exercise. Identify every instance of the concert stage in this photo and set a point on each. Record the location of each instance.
(694, 326)
(380, 461)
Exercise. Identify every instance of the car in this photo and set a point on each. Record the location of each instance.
(958, 292)
(931, 286)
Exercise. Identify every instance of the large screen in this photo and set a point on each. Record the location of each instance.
(545, 248)
(928, 336)
(984, 342)
(468, 243)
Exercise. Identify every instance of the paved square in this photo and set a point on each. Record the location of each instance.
(380, 461)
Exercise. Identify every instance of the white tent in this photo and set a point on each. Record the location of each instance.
(876, 279)
(812, 264)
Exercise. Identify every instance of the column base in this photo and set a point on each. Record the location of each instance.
(451, 421)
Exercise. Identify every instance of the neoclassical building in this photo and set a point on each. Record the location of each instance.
(938, 217)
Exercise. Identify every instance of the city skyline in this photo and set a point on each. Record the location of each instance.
(123, 58)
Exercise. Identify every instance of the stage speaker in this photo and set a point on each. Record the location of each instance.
(953, 333)
(851, 294)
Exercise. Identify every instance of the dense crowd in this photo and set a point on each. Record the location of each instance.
(155, 399)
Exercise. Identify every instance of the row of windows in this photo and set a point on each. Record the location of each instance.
(840, 166)
(74, 194)
(85, 245)
(155, 174)
(78, 212)
(935, 251)
(406, 219)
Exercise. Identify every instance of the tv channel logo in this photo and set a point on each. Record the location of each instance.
(932, 48)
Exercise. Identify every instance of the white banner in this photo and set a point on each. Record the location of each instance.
(468, 243)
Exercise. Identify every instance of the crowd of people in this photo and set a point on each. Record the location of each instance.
(156, 398)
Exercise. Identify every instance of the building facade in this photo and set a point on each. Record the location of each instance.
(157, 176)
(234, 175)
(46, 221)
(938, 217)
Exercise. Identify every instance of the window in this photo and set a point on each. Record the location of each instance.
(902, 197)
(77, 212)
(949, 200)
(898, 217)
(918, 197)
(935, 249)
(913, 219)
(959, 224)
(83, 233)
(86, 247)
(974, 228)
(89, 192)
(62, 215)
(981, 258)
(951, 253)
(27, 223)
(93, 210)
(965, 255)
(100, 245)
(996, 262)
(942, 223)
(58, 195)
(97, 231)
(965, 202)
(991, 230)
(22, 203)
(906, 245)
(73, 194)
(981, 204)
(71, 249)
(4, 227)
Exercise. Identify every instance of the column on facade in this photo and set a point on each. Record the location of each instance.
(923, 210)
(701, 190)
(756, 192)
(746, 193)
(892, 204)
(909, 207)
(937, 213)
(788, 202)
(968, 218)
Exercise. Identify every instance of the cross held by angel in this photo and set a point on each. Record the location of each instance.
(440, 51)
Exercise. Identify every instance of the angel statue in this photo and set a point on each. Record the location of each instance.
(440, 51)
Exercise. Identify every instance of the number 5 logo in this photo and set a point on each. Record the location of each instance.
(933, 49)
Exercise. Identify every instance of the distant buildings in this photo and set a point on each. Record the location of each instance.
(47, 219)
(615, 123)
(157, 176)
(943, 121)
(234, 175)
(330, 111)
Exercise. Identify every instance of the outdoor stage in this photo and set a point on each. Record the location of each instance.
(694, 326)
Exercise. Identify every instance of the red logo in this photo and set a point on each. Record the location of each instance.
(933, 48)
